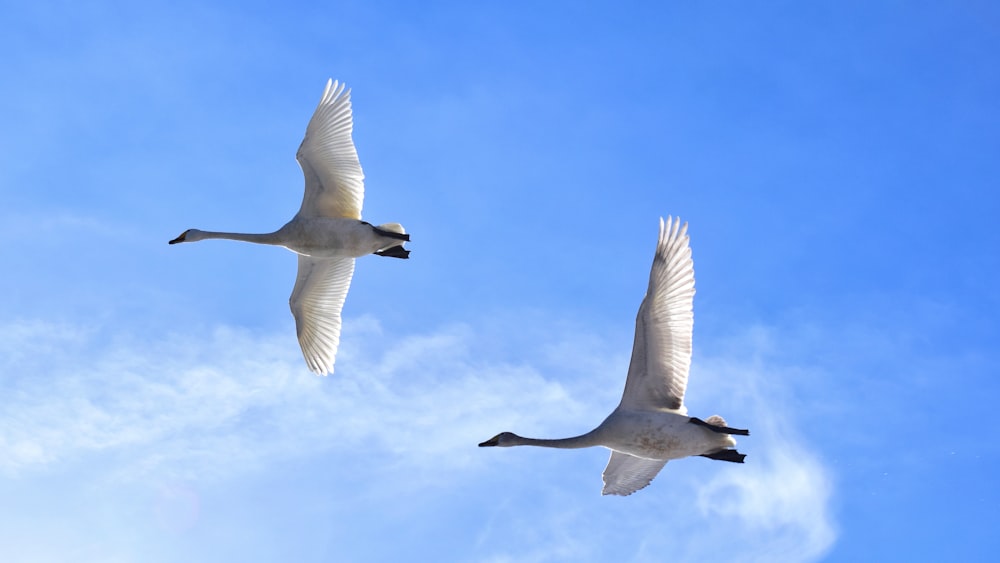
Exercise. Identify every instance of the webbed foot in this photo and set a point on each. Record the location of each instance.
(394, 252)
(391, 234)
(719, 429)
(726, 455)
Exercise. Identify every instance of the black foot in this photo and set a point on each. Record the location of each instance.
(390, 234)
(726, 455)
(394, 252)
(719, 429)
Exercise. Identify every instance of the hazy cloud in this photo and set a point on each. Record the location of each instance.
(231, 399)
(207, 406)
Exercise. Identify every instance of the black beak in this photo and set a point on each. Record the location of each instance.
(179, 239)
(491, 442)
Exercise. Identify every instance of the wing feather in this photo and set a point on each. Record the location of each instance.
(626, 474)
(317, 299)
(334, 181)
(661, 354)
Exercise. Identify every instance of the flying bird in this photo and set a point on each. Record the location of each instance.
(650, 426)
(327, 233)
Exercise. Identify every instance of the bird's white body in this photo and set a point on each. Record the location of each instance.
(332, 237)
(661, 435)
(327, 233)
(651, 426)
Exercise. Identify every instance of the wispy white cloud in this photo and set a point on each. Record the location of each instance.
(231, 399)
(204, 407)
(783, 493)
(783, 497)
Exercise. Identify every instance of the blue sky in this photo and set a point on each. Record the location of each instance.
(837, 162)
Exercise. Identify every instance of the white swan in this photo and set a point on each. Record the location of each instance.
(650, 426)
(327, 233)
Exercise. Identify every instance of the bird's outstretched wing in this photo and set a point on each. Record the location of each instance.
(626, 474)
(334, 181)
(661, 353)
(319, 294)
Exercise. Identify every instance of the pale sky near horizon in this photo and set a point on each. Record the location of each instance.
(837, 163)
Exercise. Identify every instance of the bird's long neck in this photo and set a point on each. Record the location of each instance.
(583, 441)
(258, 238)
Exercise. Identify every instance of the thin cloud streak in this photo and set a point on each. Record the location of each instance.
(231, 399)
(212, 407)
(784, 491)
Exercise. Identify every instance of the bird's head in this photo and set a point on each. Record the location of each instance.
(503, 440)
(190, 235)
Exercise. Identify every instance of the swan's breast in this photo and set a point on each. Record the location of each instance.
(329, 237)
(657, 435)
